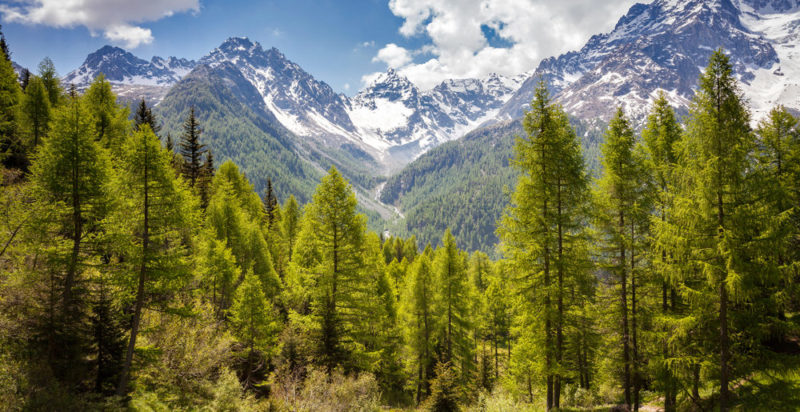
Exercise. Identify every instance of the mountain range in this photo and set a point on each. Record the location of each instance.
(286, 120)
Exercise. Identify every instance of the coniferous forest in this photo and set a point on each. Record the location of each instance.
(135, 273)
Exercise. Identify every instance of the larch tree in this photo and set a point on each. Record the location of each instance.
(71, 174)
(712, 221)
(36, 110)
(455, 328)
(330, 253)
(419, 320)
(12, 147)
(290, 223)
(660, 136)
(234, 217)
(153, 220)
(110, 120)
(543, 227)
(622, 218)
(255, 326)
(51, 81)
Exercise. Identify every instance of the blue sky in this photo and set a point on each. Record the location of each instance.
(340, 42)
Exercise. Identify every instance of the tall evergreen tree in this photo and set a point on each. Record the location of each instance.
(191, 149)
(270, 205)
(455, 335)
(71, 173)
(144, 115)
(36, 110)
(543, 228)
(331, 251)
(51, 81)
(420, 320)
(712, 221)
(24, 79)
(254, 325)
(12, 147)
(4, 46)
(110, 119)
(622, 218)
(162, 212)
(660, 136)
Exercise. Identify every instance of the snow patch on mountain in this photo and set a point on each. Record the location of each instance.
(779, 84)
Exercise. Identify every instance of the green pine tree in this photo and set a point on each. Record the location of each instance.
(191, 149)
(419, 318)
(660, 136)
(330, 252)
(12, 147)
(51, 81)
(36, 110)
(155, 216)
(110, 119)
(543, 231)
(71, 175)
(255, 326)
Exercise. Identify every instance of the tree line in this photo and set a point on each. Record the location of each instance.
(136, 272)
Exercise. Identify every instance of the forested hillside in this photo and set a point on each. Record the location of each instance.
(138, 272)
(464, 184)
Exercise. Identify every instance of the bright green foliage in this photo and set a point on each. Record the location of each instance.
(274, 230)
(220, 274)
(712, 230)
(420, 320)
(778, 157)
(660, 136)
(291, 224)
(254, 324)
(51, 81)
(234, 217)
(622, 217)
(445, 394)
(12, 148)
(110, 121)
(70, 174)
(543, 234)
(35, 111)
(153, 220)
(330, 253)
(376, 328)
(453, 305)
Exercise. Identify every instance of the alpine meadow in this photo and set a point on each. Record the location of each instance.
(480, 227)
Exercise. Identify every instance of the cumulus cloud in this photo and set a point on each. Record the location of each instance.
(534, 29)
(393, 55)
(116, 19)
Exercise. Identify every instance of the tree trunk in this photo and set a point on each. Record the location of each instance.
(626, 357)
(560, 300)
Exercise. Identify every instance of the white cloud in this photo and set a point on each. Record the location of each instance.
(393, 55)
(536, 29)
(115, 18)
(346, 87)
(130, 36)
